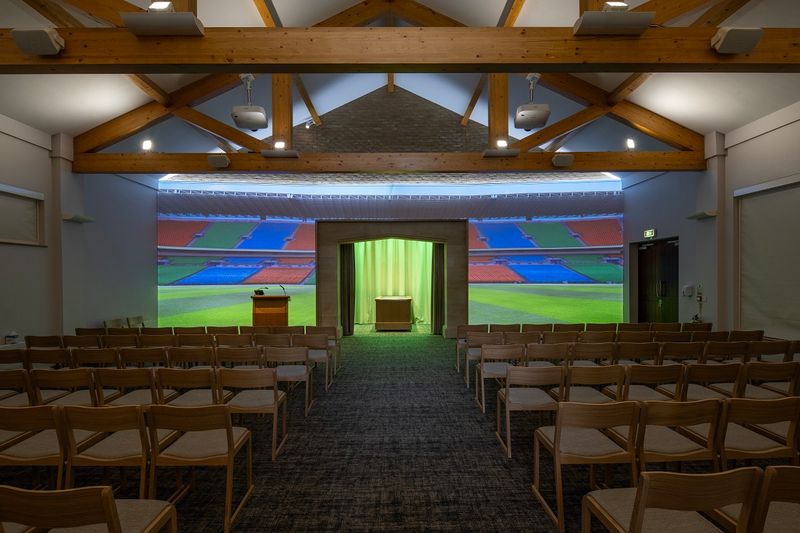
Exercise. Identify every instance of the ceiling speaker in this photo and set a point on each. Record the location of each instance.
(730, 40)
(563, 160)
(219, 161)
(38, 41)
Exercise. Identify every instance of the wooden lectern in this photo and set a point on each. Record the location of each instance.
(270, 310)
(393, 313)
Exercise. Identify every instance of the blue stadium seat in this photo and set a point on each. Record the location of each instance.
(503, 235)
(245, 260)
(549, 274)
(219, 276)
(269, 236)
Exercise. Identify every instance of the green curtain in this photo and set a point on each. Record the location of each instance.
(393, 267)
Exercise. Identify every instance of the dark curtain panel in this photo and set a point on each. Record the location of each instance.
(437, 289)
(347, 287)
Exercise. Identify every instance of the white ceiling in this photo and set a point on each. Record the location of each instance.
(703, 102)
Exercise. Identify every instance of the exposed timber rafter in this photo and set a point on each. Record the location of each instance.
(220, 129)
(667, 10)
(107, 11)
(156, 163)
(572, 122)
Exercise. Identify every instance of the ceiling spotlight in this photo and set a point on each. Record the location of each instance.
(630, 144)
(147, 145)
(38, 41)
(615, 6)
(308, 125)
(502, 143)
(279, 145)
(163, 7)
(730, 40)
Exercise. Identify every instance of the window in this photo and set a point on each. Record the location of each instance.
(21, 216)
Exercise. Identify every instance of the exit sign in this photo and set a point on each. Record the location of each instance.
(650, 233)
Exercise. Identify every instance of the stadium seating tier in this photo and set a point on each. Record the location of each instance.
(599, 232)
(224, 234)
(304, 238)
(549, 234)
(178, 232)
(269, 236)
(503, 235)
(549, 274)
(493, 274)
(288, 276)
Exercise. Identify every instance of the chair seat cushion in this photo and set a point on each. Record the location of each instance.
(619, 505)
(255, 399)
(291, 372)
(782, 386)
(135, 397)
(6, 435)
(117, 445)
(48, 395)
(202, 444)
(698, 392)
(739, 438)
(587, 395)
(42, 444)
(494, 370)
(750, 391)
(643, 393)
(663, 440)
(782, 517)
(194, 397)
(318, 356)
(583, 362)
(134, 516)
(5, 393)
(780, 429)
(18, 400)
(539, 364)
(581, 441)
(79, 397)
(521, 398)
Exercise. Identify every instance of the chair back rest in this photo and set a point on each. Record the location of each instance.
(476, 339)
(36, 418)
(462, 330)
(291, 330)
(167, 330)
(189, 330)
(665, 326)
(559, 337)
(107, 419)
(81, 341)
(97, 332)
(746, 335)
(594, 350)
(697, 492)
(196, 339)
(596, 326)
(273, 339)
(124, 378)
(781, 484)
(638, 350)
(121, 341)
(634, 336)
(633, 326)
(222, 330)
(748, 411)
(72, 378)
(502, 352)
(121, 330)
(158, 341)
(70, 508)
(135, 321)
(13, 359)
(184, 379)
(280, 354)
(504, 328)
(202, 418)
(226, 339)
(312, 342)
(597, 336)
(330, 331)
(672, 414)
(114, 323)
(568, 327)
(45, 356)
(548, 352)
(720, 349)
(756, 349)
(596, 415)
(247, 378)
(705, 336)
(672, 336)
(255, 330)
(43, 341)
(596, 375)
(243, 355)
(653, 374)
(530, 328)
(143, 356)
(758, 372)
(697, 326)
(529, 337)
(526, 376)
(702, 373)
(18, 379)
(189, 356)
(95, 357)
(678, 351)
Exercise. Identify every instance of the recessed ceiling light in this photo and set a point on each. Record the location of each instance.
(615, 6)
(161, 6)
(279, 145)
(630, 144)
(502, 143)
(147, 145)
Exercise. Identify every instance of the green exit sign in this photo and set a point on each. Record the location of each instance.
(650, 233)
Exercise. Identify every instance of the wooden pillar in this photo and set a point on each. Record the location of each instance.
(282, 108)
(498, 108)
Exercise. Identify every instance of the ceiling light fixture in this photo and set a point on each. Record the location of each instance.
(162, 19)
(502, 143)
(147, 145)
(730, 40)
(38, 41)
(250, 117)
(530, 115)
(630, 144)
(163, 7)
(613, 22)
(279, 145)
(615, 6)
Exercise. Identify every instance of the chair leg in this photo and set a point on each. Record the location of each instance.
(466, 369)
(559, 498)
(586, 517)
(152, 481)
(458, 359)
(275, 433)
(508, 431)
(227, 522)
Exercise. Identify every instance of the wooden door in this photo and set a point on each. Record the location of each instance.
(658, 281)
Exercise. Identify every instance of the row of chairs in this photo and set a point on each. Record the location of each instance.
(636, 434)
(71, 437)
(742, 500)
(539, 389)
(589, 326)
(212, 330)
(128, 322)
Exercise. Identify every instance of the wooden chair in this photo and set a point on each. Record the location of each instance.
(559, 337)
(36, 440)
(568, 327)
(592, 354)
(124, 444)
(13, 359)
(243, 357)
(597, 336)
(640, 336)
(275, 340)
(633, 326)
(114, 323)
(636, 353)
(191, 357)
(529, 337)
(143, 357)
(769, 351)
(665, 326)
(494, 362)
(196, 339)
(504, 328)
(95, 332)
(318, 352)
(697, 326)
(189, 330)
(596, 326)
(292, 366)
(666, 501)
(672, 336)
(43, 341)
(290, 330)
(208, 438)
(699, 379)
(583, 382)
(755, 374)
(255, 391)
(15, 388)
(738, 335)
(158, 341)
(540, 328)
(255, 330)
(658, 442)
(132, 386)
(47, 358)
(85, 509)
(135, 321)
(577, 438)
(543, 355)
(706, 336)
(476, 339)
(81, 341)
(778, 503)
(164, 330)
(461, 339)
(737, 441)
(523, 392)
(333, 342)
(195, 387)
(64, 387)
(234, 340)
(222, 330)
(121, 341)
(121, 330)
(95, 358)
(675, 353)
(642, 382)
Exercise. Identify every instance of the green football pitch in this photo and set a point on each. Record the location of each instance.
(497, 303)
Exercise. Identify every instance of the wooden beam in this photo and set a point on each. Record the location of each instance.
(667, 10)
(559, 142)
(116, 50)
(657, 126)
(360, 14)
(420, 15)
(157, 163)
(390, 82)
(104, 10)
(265, 14)
(719, 13)
(150, 88)
(626, 88)
(591, 5)
(512, 11)
(282, 108)
(301, 89)
(148, 114)
(476, 94)
(223, 144)
(54, 13)
(561, 127)
(498, 108)
(220, 128)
